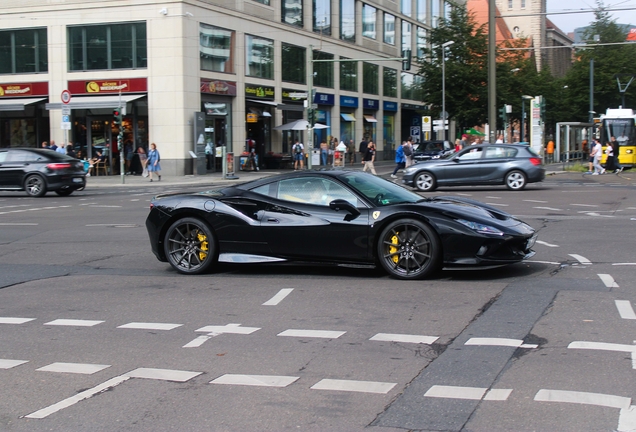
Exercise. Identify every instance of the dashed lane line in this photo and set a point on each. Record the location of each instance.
(354, 386)
(497, 204)
(547, 244)
(536, 201)
(8, 364)
(584, 205)
(77, 368)
(581, 259)
(599, 399)
(255, 380)
(602, 346)
(150, 326)
(12, 320)
(404, 338)
(279, 297)
(18, 224)
(74, 322)
(625, 309)
(34, 209)
(548, 208)
(326, 334)
(608, 280)
(624, 264)
(515, 343)
(471, 393)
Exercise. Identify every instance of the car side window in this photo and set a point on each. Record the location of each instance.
(21, 156)
(470, 154)
(312, 190)
(500, 152)
(3, 156)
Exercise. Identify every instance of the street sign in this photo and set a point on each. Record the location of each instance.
(66, 96)
(66, 110)
(426, 123)
(65, 125)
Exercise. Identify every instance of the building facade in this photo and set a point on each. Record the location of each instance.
(191, 73)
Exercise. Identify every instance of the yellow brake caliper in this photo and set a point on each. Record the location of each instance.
(394, 249)
(205, 247)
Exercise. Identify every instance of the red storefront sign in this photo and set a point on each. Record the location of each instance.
(24, 89)
(132, 85)
(218, 87)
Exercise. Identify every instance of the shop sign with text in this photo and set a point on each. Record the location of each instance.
(227, 88)
(259, 92)
(132, 85)
(24, 89)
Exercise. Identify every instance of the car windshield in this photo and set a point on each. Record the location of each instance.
(379, 191)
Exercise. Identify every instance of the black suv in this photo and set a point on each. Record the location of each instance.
(431, 150)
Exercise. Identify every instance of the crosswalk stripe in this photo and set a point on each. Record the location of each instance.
(353, 386)
(255, 380)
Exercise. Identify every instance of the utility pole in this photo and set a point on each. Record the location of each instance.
(492, 72)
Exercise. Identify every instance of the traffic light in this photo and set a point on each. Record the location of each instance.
(502, 113)
(406, 63)
(311, 116)
(117, 117)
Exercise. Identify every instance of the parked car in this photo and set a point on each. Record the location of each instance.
(37, 171)
(512, 165)
(427, 150)
(340, 217)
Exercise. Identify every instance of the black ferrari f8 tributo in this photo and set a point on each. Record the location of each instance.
(333, 217)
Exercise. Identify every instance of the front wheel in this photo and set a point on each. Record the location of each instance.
(35, 186)
(409, 249)
(189, 246)
(425, 182)
(515, 180)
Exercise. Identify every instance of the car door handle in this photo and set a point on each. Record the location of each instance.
(272, 220)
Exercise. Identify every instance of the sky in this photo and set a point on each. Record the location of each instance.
(568, 22)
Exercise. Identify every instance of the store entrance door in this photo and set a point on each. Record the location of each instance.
(215, 138)
(99, 134)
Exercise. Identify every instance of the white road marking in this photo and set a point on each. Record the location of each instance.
(625, 309)
(624, 264)
(45, 412)
(581, 259)
(548, 208)
(150, 326)
(516, 343)
(598, 214)
(497, 204)
(18, 224)
(279, 297)
(135, 200)
(162, 374)
(472, 393)
(390, 337)
(105, 206)
(543, 262)
(497, 394)
(584, 205)
(536, 201)
(229, 328)
(73, 322)
(113, 225)
(9, 320)
(8, 364)
(77, 368)
(327, 334)
(198, 341)
(586, 398)
(603, 346)
(34, 209)
(14, 206)
(608, 280)
(463, 194)
(546, 243)
(255, 380)
(493, 197)
(353, 386)
(627, 419)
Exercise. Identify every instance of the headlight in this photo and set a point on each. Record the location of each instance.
(481, 228)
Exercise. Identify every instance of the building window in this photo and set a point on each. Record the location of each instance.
(510, 4)
(348, 20)
(406, 38)
(412, 86)
(322, 16)
(323, 71)
(405, 7)
(265, 2)
(292, 12)
(421, 10)
(434, 12)
(112, 46)
(389, 29)
(259, 57)
(348, 75)
(216, 48)
(421, 42)
(293, 64)
(448, 8)
(523, 4)
(368, 21)
(370, 78)
(389, 82)
(23, 51)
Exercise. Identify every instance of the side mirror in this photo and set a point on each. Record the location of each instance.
(344, 205)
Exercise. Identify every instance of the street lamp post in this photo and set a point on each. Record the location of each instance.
(524, 98)
(444, 115)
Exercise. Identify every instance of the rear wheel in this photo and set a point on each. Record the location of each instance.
(409, 249)
(425, 181)
(35, 186)
(189, 246)
(515, 180)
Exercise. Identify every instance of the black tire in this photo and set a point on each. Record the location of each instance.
(190, 246)
(35, 186)
(516, 180)
(64, 192)
(409, 249)
(425, 181)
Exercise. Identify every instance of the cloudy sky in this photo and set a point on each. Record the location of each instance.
(568, 22)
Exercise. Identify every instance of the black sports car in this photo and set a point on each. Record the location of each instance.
(332, 217)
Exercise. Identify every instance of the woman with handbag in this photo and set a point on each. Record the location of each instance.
(153, 161)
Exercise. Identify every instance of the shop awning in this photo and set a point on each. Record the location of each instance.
(93, 102)
(370, 119)
(264, 102)
(347, 117)
(17, 104)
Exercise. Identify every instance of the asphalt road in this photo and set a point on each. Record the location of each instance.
(96, 334)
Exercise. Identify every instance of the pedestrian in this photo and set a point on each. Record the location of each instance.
(53, 146)
(362, 149)
(400, 160)
(549, 150)
(61, 149)
(153, 161)
(500, 139)
(45, 145)
(143, 160)
(589, 148)
(458, 145)
(369, 158)
(351, 152)
(408, 153)
(128, 155)
(299, 155)
(597, 152)
(70, 152)
(324, 152)
(209, 154)
(464, 141)
(616, 150)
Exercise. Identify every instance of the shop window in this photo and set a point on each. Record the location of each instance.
(216, 48)
(23, 51)
(389, 29)
(259, 57)
(348, 75)
(421, 10)
(323, 71)
(294, 63)
(370, 78)
(106, 47)
(348, 20)
(322, 16)
(368, 21)
(389, 84)
(292, 12)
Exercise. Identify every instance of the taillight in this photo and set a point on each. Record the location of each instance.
(535, 161)
(58, 166)
(151, 206)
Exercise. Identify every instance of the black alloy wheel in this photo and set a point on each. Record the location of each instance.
(409, 249)
(425, 181)
(189, 246)
(515, 180)
(35, 186)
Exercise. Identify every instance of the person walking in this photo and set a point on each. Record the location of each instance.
(400, 160)
(299, 155)
(597, 152)
(408, 153)
(153, 161)
(324, 152)
(143, 160)
(369, 158)
(616, 150)
(362, 149)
